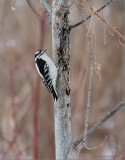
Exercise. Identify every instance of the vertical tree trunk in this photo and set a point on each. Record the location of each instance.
(61, 56)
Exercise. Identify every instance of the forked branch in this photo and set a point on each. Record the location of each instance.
(47, 6)
(89, 90)
(28, 1)
(84, 20)
(103, 20)
(74, 145)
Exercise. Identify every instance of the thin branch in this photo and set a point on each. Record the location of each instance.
(102, 19)
(89, 91)
(83, 144)
(28, 1)
(96, 147)
(46, 5)
(99, 123)
(90, 86)
(71, 4)
(84, 20)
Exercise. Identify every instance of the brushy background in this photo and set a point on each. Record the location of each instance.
(26, 107)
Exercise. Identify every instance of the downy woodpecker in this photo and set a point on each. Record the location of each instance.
(47, 71)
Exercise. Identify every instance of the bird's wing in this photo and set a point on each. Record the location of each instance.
(44, 72)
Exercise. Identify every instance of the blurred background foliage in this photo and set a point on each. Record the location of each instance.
(26, 107)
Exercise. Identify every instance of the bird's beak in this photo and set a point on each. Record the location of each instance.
(44, 50)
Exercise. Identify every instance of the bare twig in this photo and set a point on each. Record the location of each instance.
(83, 144)
(102, 19)
(99, 123)
(71, 4)
(89, 90)
(90, 86)
(72, 151)
(28, 1)
(46, 5)
(84, 20)
(96, 147)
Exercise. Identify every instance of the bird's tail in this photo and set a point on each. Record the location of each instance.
(55, 96)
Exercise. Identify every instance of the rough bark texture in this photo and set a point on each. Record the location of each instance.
(61, 56)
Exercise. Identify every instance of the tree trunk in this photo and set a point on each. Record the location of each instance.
(61, 56)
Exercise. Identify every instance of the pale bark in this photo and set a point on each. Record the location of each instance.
(61, 56)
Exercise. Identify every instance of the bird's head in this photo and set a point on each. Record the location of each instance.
(39, 53)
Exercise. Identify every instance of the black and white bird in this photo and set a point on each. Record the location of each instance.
(47, 71)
